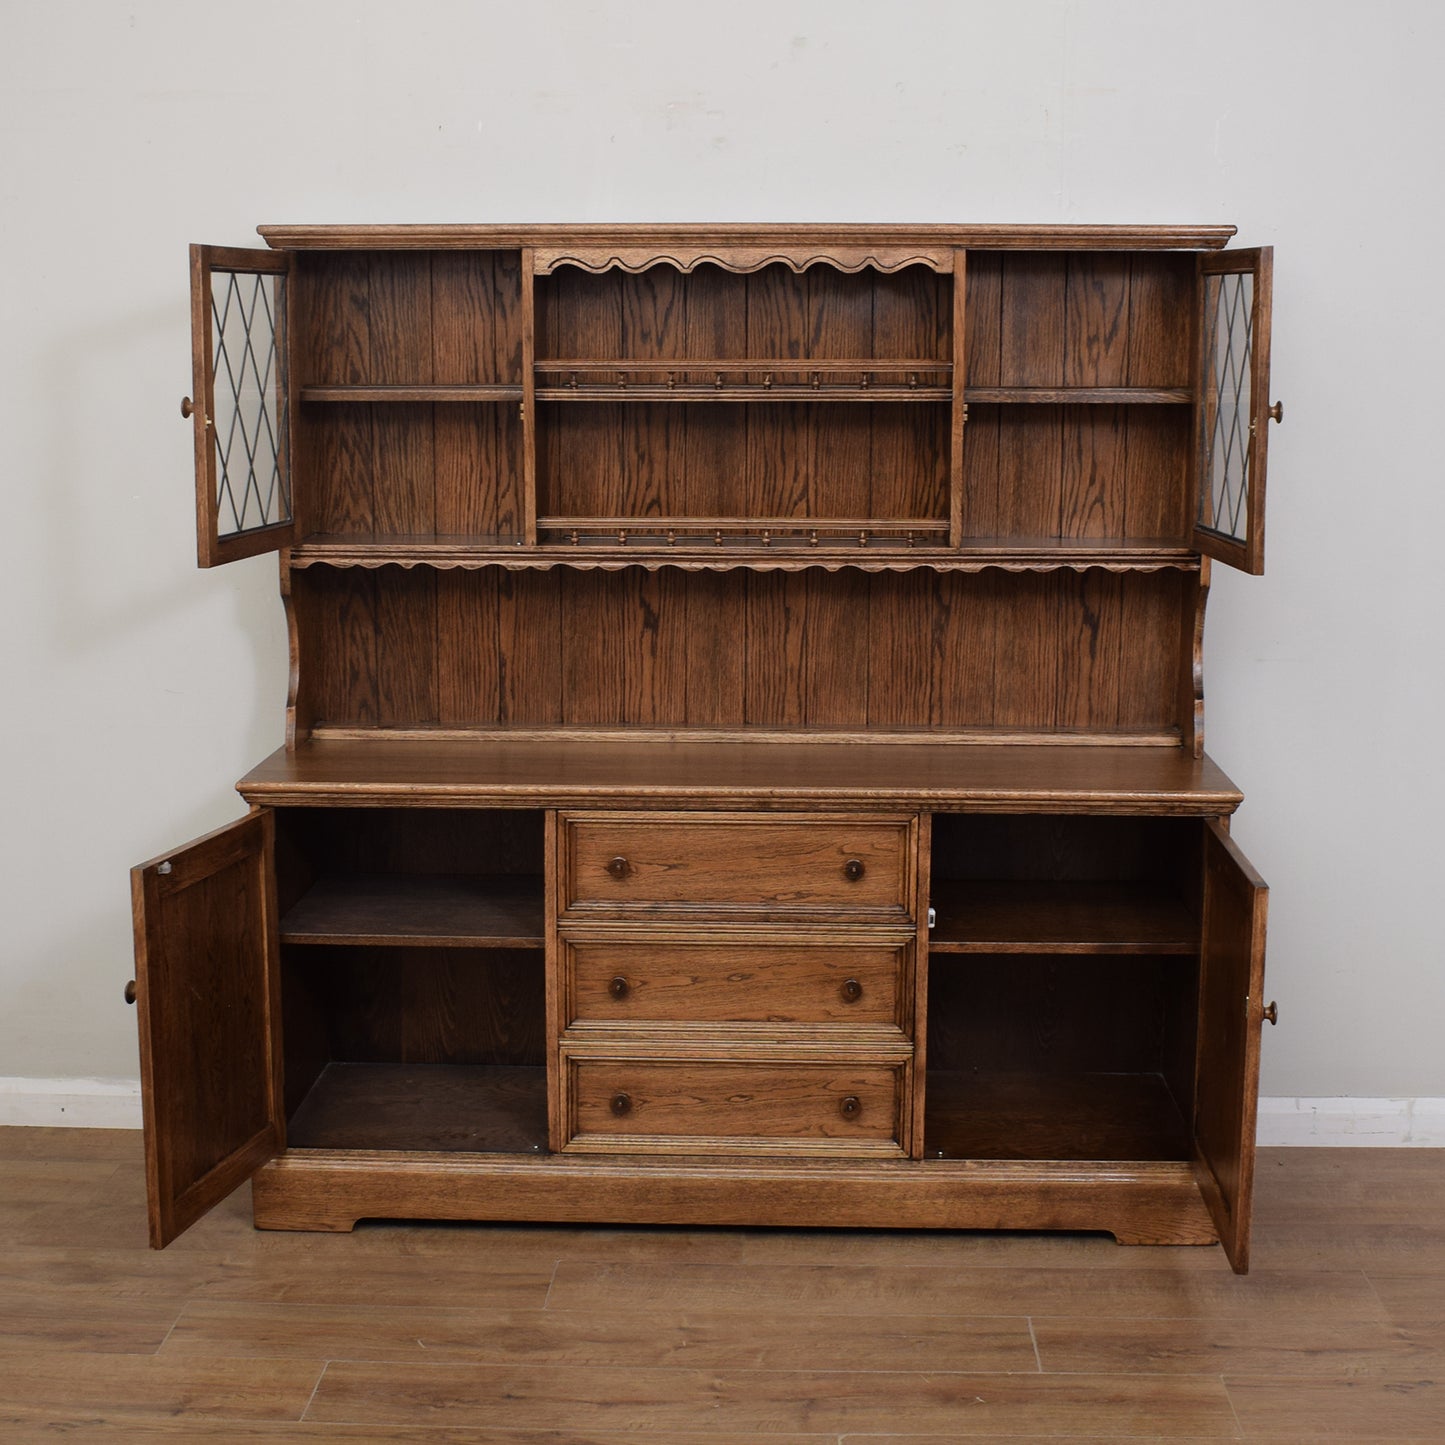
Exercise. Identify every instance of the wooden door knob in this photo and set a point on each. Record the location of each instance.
(1271, 1012)
(130, 991)
(1276, 412)
(619, 867)
(853, 869)
(851, 990)
(621, 1104)
(187, 406)
(619, 987)
(850, 1106)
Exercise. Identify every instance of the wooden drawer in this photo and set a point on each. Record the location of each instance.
(735, 1106)
(732, 864)
(632, 977)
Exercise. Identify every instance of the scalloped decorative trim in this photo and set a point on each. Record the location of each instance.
(743, 261)
(655, 563)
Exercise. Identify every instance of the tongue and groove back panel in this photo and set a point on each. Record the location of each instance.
(1091, 651)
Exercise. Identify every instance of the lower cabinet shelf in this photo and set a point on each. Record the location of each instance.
(473, 1108)
(1115, 1117)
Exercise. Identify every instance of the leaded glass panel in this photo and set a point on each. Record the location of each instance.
(1227, 423)
(248, 416)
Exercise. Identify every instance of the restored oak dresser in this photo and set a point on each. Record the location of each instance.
(744, 755)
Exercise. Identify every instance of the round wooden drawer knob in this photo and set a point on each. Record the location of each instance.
(1271, 1013)
(853, 869)
(130, 991)
(619, 868)
(619, 987)
(621, 1104)
(850, 1106)
(851, 990)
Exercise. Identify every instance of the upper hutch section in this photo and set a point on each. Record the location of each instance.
(887, 399)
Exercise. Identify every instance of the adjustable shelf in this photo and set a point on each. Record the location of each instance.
(431, 910)
(359, 393)
(1079, 395)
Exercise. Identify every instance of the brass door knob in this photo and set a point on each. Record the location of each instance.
(619, 867)
(850, 1106)
(130, 991)
(851, 990)
(621, 1104)
(619, 987)
(1271, 1012)
(1276, 412)
(853, 869)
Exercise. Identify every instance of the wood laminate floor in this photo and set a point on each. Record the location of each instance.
(544, 1335)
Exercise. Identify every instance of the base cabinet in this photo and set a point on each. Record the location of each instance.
(949, 1019)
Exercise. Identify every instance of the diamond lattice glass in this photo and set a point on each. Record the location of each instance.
(1227, 429)
(249, 403)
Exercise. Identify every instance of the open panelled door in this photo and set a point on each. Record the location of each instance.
(1232, 410)
(207, 986)
(1231, 1014)
(241, 410)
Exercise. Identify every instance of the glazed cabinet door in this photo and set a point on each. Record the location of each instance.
(1231, 1014)
(239, 406)
(1232, 410)
(207, 987)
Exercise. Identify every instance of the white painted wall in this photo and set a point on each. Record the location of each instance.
(137, 689)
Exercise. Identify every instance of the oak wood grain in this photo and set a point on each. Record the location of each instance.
(374, 771)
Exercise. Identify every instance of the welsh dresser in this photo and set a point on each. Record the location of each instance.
(744, 752)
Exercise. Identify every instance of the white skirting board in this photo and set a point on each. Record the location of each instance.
(1343, 1122)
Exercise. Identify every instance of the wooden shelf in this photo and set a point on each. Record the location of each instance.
(469, 1108)
(745, 379)
(651, 549)
(1052, 917)
(740, 393)
(412, 393)
(1079, 395)
(416, 909)
(1113, 1117)
(743, 365)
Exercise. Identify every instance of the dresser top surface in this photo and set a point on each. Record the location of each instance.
(574, 772)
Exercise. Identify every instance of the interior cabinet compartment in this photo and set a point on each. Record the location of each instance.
(393, 471)
(812, 472)
(442, 877)
(601, 330)
(414, 1049)
(408, 368)
(1038, 883)
(1060, 475)
(1053, 1057)
(1088, 322)
(794, 456)
(413, 987)
(412, 319)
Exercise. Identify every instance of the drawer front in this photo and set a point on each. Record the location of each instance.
(736, 980)
(690, 1106)
(736, 865)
